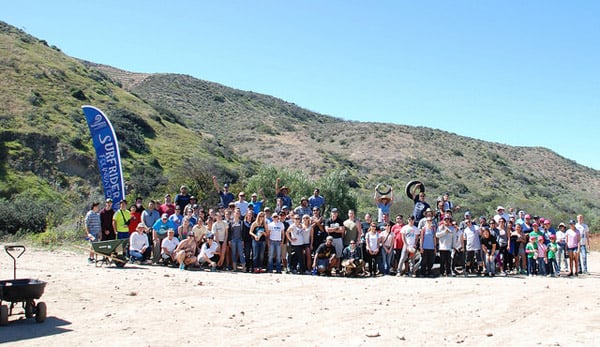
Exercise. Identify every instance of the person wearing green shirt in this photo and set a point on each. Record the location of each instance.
(121, 221)
(552, 252)
(531, 251)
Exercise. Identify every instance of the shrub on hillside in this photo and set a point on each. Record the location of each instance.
(22, 214)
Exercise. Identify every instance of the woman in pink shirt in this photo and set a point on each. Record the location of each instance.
(573, 248)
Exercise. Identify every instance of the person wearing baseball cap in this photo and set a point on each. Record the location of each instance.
(210, 252)
(159, 233)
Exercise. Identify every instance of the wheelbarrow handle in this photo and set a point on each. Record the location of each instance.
(14, 248)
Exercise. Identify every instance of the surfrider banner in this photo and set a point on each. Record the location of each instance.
(107, 154)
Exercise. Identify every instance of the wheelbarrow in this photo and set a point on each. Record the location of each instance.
(24, 291)
(111, 251)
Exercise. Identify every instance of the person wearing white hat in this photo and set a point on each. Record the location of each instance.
(139, 249)
(500, 213)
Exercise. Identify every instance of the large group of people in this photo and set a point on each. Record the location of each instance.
(249, 236)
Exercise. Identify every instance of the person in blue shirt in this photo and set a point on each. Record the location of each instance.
(159, 232)
(316, 200)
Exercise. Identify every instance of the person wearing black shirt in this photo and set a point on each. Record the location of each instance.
(334, 227)
(488, 247)
(325, 257)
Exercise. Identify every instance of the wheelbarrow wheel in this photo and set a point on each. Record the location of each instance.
(120, 263)
(40, 314)
(29, 309)
(3, 315)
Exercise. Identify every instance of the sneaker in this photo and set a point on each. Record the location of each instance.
(90, 260)
(181, 267)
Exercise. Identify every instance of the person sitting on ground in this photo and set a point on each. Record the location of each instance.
(210, 252)
(168, 248)
(186, 251)
(352, 262)
(325, 259)
(139, 248)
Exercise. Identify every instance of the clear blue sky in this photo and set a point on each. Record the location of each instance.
(523, 73)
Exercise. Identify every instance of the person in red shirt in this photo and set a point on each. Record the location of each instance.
(135, 219)
(398, 242)
(167, 207)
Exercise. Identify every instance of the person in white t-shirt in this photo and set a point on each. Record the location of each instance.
(139, 249)
(168, 248)
(295, 233)
(584, 243)
(410, 259)
(275, 240)
(210, 252)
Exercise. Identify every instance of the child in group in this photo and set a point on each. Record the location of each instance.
(552, 252)
(542, 259)
(531, 251)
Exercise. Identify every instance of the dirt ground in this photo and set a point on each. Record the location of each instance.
(157, 306)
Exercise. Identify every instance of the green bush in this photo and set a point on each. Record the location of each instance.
(334, 187)
(24, 214)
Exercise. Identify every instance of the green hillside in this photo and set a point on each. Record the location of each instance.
(177, 129)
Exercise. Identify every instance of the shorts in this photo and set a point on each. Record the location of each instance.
(574, 249)
(339, 247)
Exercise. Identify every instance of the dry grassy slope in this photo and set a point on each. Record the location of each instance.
(270, 130)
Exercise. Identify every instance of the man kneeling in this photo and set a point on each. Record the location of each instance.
(210, 252)
(168, 246)
(325, 259)
(352, 263)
